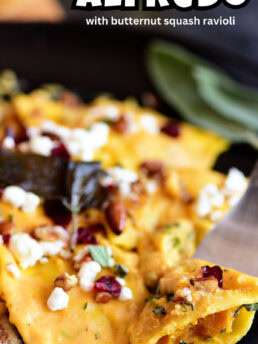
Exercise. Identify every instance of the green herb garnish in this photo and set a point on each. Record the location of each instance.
(159, 310)
(252, 308)
(223, 330)
(170, 297)
(192, 282)
(85, 306)
(101, 255)
(176, 242)
(121, 270)
(96, 336)
(182, 342)
(10, 218)
(185, 304)
(203, 94)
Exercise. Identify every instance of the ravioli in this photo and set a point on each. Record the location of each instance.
(190, 309)
(116, 267)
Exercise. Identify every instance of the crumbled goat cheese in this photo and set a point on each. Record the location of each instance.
(51, 248)
(1, 240)
(120, 280)
(120, 177)
(149, 124)
(215, 215)
(235, 186)
(25, 249)
(8, 142)
(80, 143)
(111, 261)
(132, 126)
(42, 145)
(58, 299)
(126, 294)
(19, 198)
(44, 260)
(13, 270)
(109, 112)
(186, 293)
(87, 275)
(209, 197)
(151, 186)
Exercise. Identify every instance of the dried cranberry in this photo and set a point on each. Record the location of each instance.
(213, 272)
(86, 234)
(61, 152)
(120, 125)
(6, 238)
(58, 212)
(108, 284)
(1, 192)
(171, 129)
(21, 136)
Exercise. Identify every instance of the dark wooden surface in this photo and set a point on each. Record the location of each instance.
(92, 61)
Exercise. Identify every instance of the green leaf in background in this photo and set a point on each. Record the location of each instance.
(174, 72)
(236, 102)
(101, 255)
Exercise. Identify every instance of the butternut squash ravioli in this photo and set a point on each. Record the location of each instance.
(102, 207)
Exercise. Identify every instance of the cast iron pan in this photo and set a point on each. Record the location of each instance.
(90, 62)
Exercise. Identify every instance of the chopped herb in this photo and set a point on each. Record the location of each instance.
(251, 308)
(223, 330)
(107, 121)
(168, 227)
(121, 270)
(192, 282)
(96, 336)
(176, 242)
(170, 297)
(10, 218)
(159, 310)
(85, 306)
(185, 304)
(182, 342)
(101, 255)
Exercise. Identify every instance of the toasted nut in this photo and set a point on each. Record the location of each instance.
(209, 285)
(66, 281)
(137, 188)
(103, 297)
(154, 169)
(116, 216)
(51, 233)
(120, 125)
(6, 227)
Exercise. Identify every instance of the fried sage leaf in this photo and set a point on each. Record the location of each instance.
(75, 183)
(172, 70)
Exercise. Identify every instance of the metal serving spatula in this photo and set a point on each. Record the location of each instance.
(234, 240)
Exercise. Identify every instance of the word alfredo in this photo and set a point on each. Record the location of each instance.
(155, 4)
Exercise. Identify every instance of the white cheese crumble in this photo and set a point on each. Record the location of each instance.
(80, 143)
(151, 186)
(149, 124)
(235, 186)
(44, 260)
(186, 292)
(51, 248)
(209, 197)
(126, 294)
(87, 275)
(13, 270)
(120, 177)
(25, 249)
(19, 198)
(81, 253)
(42, 145)
(65, 254)
(8, 142)
(120, 280)
(58, 299)
(1, 240)
(109, 112)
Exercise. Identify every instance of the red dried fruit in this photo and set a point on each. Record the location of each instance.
(1, 192)
(116, 216)
(171, 129)
(154, 169)
(6, 227)
(86, 234)
(6, 238)
(61, 152)
(212, 272)
(108, 284)
(58, 212)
